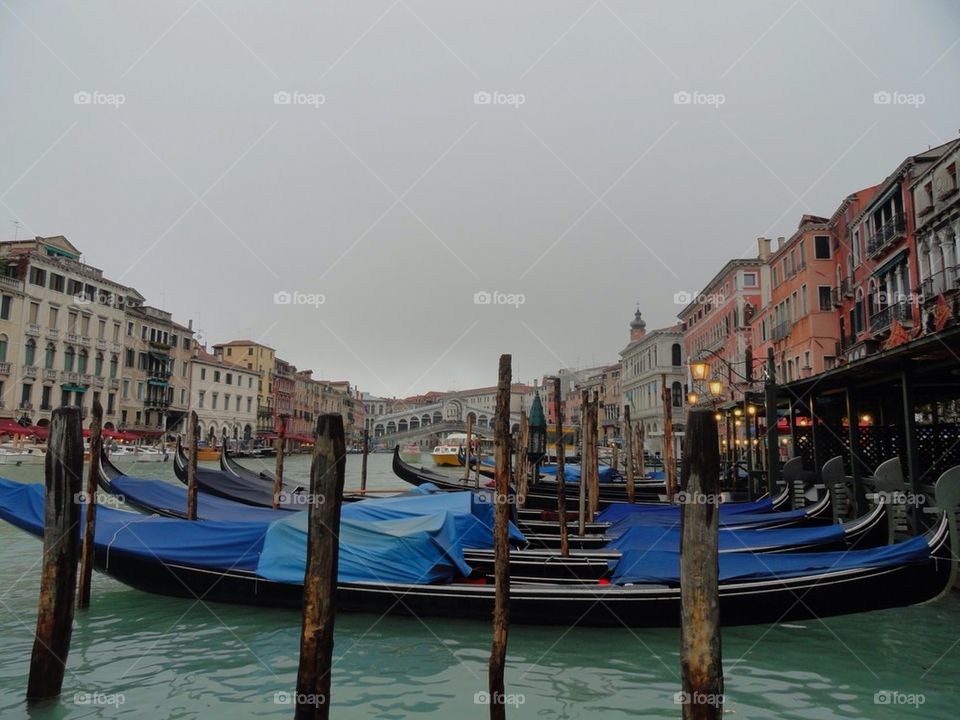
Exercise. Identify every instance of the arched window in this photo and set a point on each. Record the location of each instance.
(30, 354)
(82, 361)
(98, 365)
(51, 355)
(68, 356)
(676, 355)
(676, 391)
(3, 347)
(858, 324)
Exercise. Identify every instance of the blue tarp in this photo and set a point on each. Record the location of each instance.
(418, 549)
(655, 566)
(168, 498)
(571, 473)
(205, 544)
(617, 511)
(647, 537)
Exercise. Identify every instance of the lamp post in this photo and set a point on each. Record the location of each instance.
(537, 441)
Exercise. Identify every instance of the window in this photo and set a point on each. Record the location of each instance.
(676, 392)
(45, 393)
(229, 378)
(52, 322)
(30, 352)
(114, 361)
(203, 373)
(216, 376)
(82, 361)
(126, 389)
(249, 403)
(200, 396)
(213, 401)
(5, 303)
(68, 356)
(98, 365)
(50, 356)
(38, 276)
(74, 287)
(129, 357)
(129, 328)
(101, 329)
(34, 312)
(116, 332)
(803, 301)
(749, 279)
(26, 395)
(676, 355)
(139, 391)
(57, 282)
(3, 348)
(821, 247)
(824, 295)
(111, 401)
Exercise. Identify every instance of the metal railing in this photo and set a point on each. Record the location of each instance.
(892, 229)
(882, 319)
(940, 282)
(781, 330)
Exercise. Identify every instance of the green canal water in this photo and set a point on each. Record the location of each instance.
(141, 656)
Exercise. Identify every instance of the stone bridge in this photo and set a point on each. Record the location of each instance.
(421, 422)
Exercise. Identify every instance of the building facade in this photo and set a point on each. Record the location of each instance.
(224, 396)
(648, 361)
(61, 326)
(260, 358)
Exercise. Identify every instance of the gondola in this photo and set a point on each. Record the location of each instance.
(232, 467)
(184, 559)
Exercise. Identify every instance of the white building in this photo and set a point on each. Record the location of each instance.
(225, 398)
(651, 359)
(60, 331)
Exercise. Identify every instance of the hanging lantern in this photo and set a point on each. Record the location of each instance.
(537, 442)
(699, 370)
(716, 388)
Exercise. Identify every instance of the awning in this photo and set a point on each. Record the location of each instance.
(158, 383)
(74, 388)
(900, 257)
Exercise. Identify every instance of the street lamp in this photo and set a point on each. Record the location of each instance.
(537, 442)
(692, 398)
(716, 388)
(699, 370)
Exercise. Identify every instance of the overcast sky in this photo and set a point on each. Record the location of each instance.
(421, 152)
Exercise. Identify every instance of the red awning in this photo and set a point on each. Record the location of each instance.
(11, 427)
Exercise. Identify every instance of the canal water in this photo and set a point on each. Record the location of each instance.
(142, 656)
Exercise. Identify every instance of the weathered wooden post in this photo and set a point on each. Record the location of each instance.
(363, 462)
(561, 481)
(320, 576)
(61, 548)
(90, 517)
(469, 449)
(701, 668)
(582, 482)
(523, 465)
(476, 463)
(628, 449)
(669, 466)
(281, 450)
(501, 544)
(193, 432)
(589, 465)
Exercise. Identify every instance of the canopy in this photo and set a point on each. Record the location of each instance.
(653, 538)
(657, 566)
(617, 511)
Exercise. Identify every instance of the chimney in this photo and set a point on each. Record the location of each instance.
(780, 242)
(763, 248)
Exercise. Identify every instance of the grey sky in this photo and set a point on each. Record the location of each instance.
(399, 197)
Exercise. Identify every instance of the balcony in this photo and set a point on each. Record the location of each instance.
(159, 374)
(30, 371)
(893, 229)
(101, 344)
(50, 374)
(33, 330)
(73, 337)
(116, 348)
(86, 379)
(781, 330)
(882, 319)
(4, 368)
(25, 406)
(156, 403)
(53, 334)
(10, 283)
(945, 281)
(160, 345)
(114, 383)
(98, 382)
(68, 376)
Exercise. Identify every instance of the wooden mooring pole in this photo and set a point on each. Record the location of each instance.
(582, 483)
(523, 468)
(281, 450)
(669, 465)
(320, 576)
(193, 432)
(61, 549)
(90, 516)
(561, 481)
(501, 543)
(363, 462)
(701, 668)
(628, 442)
(469, 449)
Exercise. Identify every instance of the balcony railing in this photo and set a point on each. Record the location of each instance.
(98, 382)
(882, 319)
(4, 368)
(33, 329)
(49, 374)
(52, 334)
(11, 283)
(891, 230)
(114, 383)
(781, 330)
(30, 371)
(101, 344)
(156, 403)
(25, 406)
(943, 281)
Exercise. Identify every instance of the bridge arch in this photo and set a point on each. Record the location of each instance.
(391, 427)
(437, 417)
(378, 430)
(402, 426)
